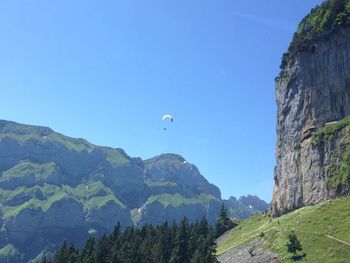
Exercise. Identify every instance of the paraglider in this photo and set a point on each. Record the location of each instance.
(167, 117)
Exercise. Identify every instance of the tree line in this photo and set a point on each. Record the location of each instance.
(174, 243)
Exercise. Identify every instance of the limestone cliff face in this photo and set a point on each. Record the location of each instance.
(314, 89)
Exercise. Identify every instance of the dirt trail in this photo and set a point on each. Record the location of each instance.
(341, 241)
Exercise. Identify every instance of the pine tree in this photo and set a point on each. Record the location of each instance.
(165, 242)
(211, 246)
(88, 250)
(72, 254)
(183, 243)
(222, 222)
(62, 254)
(199, 255)
(294, 244)
(116, 233)
(180, 251)
(102, 249)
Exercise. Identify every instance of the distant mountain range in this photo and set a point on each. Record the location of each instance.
(245, 206)
(55, 188)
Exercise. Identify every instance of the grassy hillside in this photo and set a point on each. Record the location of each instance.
(176, 200)
(23, 133)
(323, 229)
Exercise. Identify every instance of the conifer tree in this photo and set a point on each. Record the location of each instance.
(222, 222)
(102, 249)
(62, 254)
(293, 245)
(88, 250)
(180, 251)
(185, 243)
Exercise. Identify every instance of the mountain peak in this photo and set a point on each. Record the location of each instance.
(167, 158)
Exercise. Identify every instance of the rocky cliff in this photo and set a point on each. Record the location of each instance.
(313, 98)
(55, 188)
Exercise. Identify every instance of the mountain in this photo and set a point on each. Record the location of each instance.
(320, 228)
(245, 206)
(313, 101)
(55, 188)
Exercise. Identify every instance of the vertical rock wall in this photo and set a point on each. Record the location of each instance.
(313, 89)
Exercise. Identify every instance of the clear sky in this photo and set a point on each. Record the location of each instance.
(108, 70)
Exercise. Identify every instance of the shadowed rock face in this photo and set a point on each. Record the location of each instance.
(173, 168)
(55, 188)
(177, 188)
(314, 90)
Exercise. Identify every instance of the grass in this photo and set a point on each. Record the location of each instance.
(166, 159)
(28, 168)
(95, 195)
(74, 144)
(155, 184)
(328, 132)
(176, 200)
(23, 133)
(35, 204)
(8, 251)
(311, 224)
(114, 156)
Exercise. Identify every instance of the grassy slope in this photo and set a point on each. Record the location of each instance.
(23, 133)
(176, 200)
(96, 195)
(312, 225)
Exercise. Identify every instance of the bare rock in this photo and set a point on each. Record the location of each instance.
(254, 252)
(314, 90)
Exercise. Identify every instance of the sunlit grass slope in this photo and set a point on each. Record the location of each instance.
(323, 229)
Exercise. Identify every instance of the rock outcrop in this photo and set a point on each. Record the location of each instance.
(254, 252)
(312, 92)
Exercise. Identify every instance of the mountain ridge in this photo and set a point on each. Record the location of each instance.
(51, 183)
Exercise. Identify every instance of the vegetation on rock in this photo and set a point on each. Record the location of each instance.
(331, 15)
(339, 178)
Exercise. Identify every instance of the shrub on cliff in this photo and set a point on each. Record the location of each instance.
(320, 22)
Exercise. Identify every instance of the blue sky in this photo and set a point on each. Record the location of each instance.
(107, 71)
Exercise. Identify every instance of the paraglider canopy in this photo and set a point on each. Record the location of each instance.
(168, 117)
